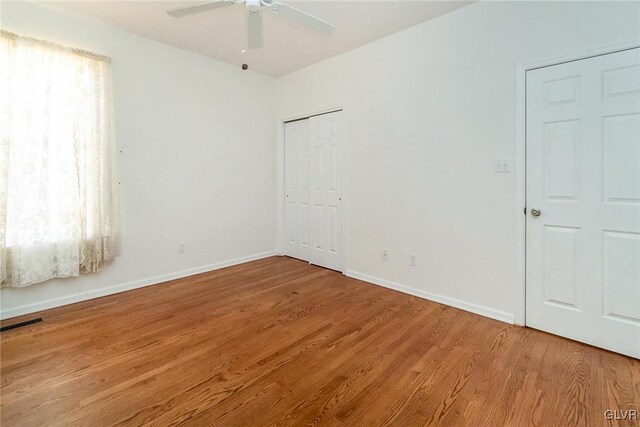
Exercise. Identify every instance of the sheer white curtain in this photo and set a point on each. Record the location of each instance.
(58, 188)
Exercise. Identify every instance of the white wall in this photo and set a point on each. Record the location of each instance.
(427, 110)
(197, 163)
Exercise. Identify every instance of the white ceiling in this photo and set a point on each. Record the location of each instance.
(221, 33)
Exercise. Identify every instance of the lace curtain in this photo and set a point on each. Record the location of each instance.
(58, 188)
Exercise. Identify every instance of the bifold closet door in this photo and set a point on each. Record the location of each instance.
(313, 190)
(296, 212)
(325, 168)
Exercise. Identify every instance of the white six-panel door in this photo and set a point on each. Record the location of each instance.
(313, 190)
(296, 212)
(583, 183)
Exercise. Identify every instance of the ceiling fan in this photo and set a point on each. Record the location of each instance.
(254, 16)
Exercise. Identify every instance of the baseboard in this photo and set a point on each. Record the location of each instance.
(110, 290)
(462, 305)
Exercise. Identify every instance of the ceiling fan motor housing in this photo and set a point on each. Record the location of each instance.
(253, 5)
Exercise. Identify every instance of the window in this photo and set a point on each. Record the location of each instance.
(58, 194)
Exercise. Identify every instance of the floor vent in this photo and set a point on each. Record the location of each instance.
(18, 325)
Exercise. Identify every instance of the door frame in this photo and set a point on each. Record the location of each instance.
(280, 179)
(520, 163)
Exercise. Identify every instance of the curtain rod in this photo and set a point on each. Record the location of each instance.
(74, 50)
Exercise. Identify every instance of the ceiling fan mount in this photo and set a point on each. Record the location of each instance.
(254, 16)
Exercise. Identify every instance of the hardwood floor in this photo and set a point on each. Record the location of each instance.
(277, 341)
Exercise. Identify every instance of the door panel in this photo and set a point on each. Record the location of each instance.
(621, 270)
(325, 140)
(296, 143)
(583, 173)
(560, 259)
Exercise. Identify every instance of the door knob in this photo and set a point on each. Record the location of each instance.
(536, 212)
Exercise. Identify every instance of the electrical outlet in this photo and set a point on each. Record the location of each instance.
(385, 254)
(180, 248)
(412, 260)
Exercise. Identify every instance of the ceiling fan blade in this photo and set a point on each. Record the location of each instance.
(202, 7)
(303, 18)
(254, 30)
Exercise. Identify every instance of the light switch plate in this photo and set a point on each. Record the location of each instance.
(502, 165)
